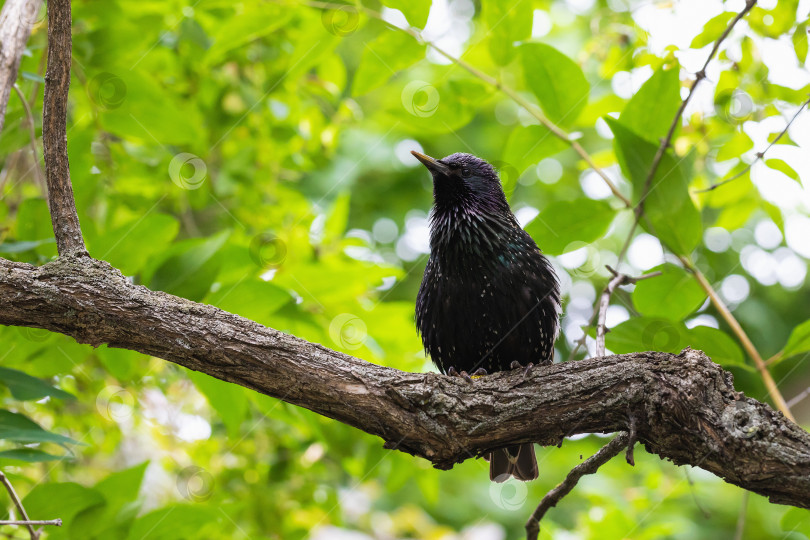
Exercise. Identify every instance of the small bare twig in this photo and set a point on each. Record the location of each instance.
(740, 528)
(589, 466)
(18, 503)
(32, 135)
(759, 155)
(699, 76)
(617, 281)
(55, 522)
(62, 206)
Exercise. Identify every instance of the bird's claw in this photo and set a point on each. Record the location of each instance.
(464, 375)
(517, 365)
(480, 372)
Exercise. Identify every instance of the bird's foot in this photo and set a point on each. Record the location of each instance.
(517, 365)
(464, 375)
(478, 373)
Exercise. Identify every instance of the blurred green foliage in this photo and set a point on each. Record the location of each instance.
(254, 155)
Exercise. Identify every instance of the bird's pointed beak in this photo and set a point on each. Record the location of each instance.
(433, 165)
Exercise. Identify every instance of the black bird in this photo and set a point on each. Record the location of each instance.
(489, 300)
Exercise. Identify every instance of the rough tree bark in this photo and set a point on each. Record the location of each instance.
(685, 406)
(16, 20)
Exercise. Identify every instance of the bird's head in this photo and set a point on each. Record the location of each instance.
(465, 181)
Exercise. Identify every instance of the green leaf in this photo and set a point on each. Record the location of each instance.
(717, 345)
(258, 19)
(60, 500)
(174, 522)
(227, 399)
(391, 52)
(112, 518)
(253, 298)
(416, 11)
(650, 111)
(712, 30)
(22, 247)
(29, 455)
(781, 166)
(556, 80)
(130, 246)
(338, 218)
(800, 42)
(25, 387)
(736, 146)
(799, 340)
(796, 520)
(647, 334)
(192, 269)
(36, 77)
(19, 428)
(34, 224)
(564, 222)
(673, 216)
(527, 145)
(506, 23)
(133, 104)
(672, 295)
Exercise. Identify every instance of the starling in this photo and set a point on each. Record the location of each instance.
(489, 300)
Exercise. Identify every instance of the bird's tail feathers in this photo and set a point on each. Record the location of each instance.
(518, 461)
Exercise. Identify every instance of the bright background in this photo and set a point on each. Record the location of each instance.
(255, 156)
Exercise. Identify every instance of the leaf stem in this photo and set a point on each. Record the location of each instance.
(743, 338)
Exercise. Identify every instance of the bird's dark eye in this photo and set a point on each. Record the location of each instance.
(465, 172)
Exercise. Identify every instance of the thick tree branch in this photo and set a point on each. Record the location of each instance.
(16, 20)
(684, 406)
(65, 221)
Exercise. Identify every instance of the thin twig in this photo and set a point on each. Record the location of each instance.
(61, 203)
(18, 503)
(32, 135)
(699, 76)
(795, 400)
(759, 155)
(617, 281)
(54, 522)
(589, 466)
(740, 528)
(493, 82)
(743, 338)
